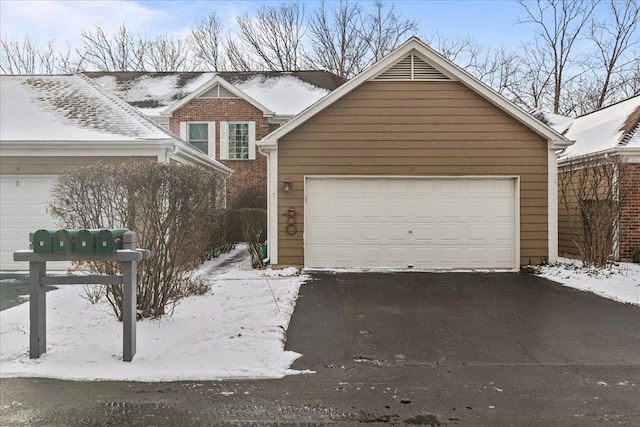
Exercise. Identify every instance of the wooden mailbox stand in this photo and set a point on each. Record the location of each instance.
(128, 257)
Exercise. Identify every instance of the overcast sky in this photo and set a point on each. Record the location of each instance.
(489, 22)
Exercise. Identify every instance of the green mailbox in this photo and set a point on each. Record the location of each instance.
(109, 241)
(63, 241)
(86, 241)
(42, 242)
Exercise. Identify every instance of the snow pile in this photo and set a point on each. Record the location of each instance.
(235, 331)
(620, 282)
(558, 122)
(286, 95)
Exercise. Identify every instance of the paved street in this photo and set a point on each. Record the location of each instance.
(406, 348)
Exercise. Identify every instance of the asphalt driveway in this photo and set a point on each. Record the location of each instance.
(437, 349)
(485, 319)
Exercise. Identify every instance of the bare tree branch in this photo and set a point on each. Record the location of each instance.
(206, 42)
(559, 23)
(386, 29)
(167, 53)
(121, 52)
(335, 35)
(274, 36)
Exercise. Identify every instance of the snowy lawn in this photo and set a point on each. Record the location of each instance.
(235, 331)
(620, 282)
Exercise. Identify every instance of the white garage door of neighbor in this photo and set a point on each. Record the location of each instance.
(423, 223)
(23, 210)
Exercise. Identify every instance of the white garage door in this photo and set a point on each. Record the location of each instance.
(23, 202)
(426, 223)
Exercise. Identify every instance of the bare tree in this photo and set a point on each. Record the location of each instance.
(336, 42)
(206, 42)
(386, 29)
(239, 58)
(496, 67)
(121, 52)
(27, 57)
(591, 201)
(274, 37)
(167, 53)
(616, 40)
(559, 24)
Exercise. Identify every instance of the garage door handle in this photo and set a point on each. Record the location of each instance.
(410, 231)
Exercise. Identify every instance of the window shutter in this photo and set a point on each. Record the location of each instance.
(252, 140)
(224, 141)
(212, 140)
(183, 130)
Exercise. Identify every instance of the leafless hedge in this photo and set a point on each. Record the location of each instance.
(174, 209)
(591, 199)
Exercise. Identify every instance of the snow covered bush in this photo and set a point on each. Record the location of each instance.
(172, 208)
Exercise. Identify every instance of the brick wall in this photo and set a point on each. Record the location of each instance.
(247, 173)
(629, 237)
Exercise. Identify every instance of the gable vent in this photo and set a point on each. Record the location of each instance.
(412, 68)
(217, 92)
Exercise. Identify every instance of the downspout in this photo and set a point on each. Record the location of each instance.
(170, 151)
(269, 149)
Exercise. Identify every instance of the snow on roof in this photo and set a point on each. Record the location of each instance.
(151, 93)
(67, 108)
(556, 121)
(605, 129)
(285, 95)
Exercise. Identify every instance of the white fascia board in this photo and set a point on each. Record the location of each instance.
(279, 119)
(631, 154)
(217, 80)
(267, 145)
(415, 45)
(84, 148)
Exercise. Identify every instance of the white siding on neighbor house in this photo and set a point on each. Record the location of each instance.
(408, 222)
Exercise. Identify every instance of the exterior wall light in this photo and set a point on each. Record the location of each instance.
(287, 186)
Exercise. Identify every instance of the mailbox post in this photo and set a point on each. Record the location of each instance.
(65, 248)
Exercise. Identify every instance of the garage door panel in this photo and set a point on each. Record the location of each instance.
(23, 210)
(410, 222)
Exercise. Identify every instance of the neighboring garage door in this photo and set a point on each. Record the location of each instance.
(425, 223)
(23, 201)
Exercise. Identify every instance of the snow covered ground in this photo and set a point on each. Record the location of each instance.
(620, 282)
(235, 331)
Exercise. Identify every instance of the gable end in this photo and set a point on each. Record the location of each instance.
(218, 92)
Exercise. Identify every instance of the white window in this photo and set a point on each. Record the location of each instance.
(201, 135)
(237, 140)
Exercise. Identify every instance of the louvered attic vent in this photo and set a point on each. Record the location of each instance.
(218, 92)
(412, 68)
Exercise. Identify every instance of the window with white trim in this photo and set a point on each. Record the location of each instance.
(237, 140)
(201, 135)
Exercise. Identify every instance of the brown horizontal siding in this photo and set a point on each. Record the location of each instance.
(368, 139)
(55, 165)
(415, 129)
(312, 153)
